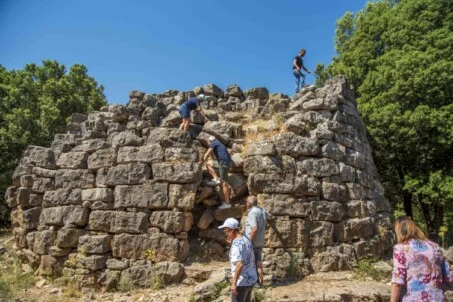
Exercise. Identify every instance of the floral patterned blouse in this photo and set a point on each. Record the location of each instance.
(421, 267)
(242, 250)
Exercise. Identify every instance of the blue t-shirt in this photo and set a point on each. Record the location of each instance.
(191, 103)
(242, 250)
(220, 152)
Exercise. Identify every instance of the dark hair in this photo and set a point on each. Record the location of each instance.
(302, 50)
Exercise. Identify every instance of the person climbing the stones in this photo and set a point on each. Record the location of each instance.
(255, 228)
(222, 163)
(298, 66)
(191, 104)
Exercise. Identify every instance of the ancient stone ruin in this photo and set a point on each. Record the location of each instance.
(122, 195)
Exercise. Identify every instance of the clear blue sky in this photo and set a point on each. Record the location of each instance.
(158, 45)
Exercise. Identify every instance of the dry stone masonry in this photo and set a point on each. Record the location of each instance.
(122, 193)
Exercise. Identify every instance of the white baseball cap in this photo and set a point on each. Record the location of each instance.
(230, 223)
(211, 138)
(202, 97)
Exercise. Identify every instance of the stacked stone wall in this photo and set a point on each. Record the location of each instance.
(121, 194)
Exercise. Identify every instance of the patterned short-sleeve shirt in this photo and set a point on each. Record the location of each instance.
(242, 250)
(421, 267)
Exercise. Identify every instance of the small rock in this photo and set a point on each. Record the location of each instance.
(2, 250)
(54, 291)
(40, 283)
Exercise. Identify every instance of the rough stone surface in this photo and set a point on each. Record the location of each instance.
(123, 190)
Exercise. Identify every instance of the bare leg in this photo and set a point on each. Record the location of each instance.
(186, 126)
(211, 171)
(226, 191)
(260, 270)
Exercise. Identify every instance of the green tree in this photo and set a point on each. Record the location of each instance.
(399, 58)
(35, 104)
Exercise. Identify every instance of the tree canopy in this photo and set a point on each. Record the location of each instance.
(399, 58)
(35, 104)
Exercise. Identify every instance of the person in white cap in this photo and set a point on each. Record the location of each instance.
(184, 110)
(223, 163)
(242, 261)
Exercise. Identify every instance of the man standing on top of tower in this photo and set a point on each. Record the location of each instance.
(298, 65)
(184, 110)
(223, 163)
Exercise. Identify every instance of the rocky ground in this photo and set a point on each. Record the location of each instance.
(355, 285)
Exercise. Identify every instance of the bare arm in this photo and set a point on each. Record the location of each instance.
(253, 233)
(237, 273)
(202, 112)
(396, 291)
(206, 155)
(303, 67)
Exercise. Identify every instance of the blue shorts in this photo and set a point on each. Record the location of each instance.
(184, 112)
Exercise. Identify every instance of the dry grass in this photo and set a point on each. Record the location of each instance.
(261, 130)
(13, 281)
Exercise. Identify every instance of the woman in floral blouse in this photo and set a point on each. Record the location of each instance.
(242, 260)
(419, 268)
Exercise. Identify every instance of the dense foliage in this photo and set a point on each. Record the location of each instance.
(35, 104)
(399, 58)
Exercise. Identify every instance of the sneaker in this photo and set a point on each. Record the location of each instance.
(214, 182)
(224, 206)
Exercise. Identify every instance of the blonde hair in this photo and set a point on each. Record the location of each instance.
(406, 229)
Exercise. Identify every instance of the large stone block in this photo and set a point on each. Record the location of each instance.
(41, 172)
(294, 145)
(102, 158)
(65, 216)
(125, 138)
(333, 151)
(150, 195)
(98, 194)
(29, 219)
(206, 219)
(347, 173)
(73, 179)
(360, 208)
(170, 222)
(321, 234)
(355, 229)
(95, 244)
(39, 157)
(73, 160)
(326, 211)
(269, 164)
(284, 205)
(128, 174)
(42, 184)
(263, 148)
(169, 137)
(150, 153)
(318, 167)
(336, 258)
(91, 145)
(286, 233)
(181, 154)
(43, 240)
(162, 246)
(68, 237)
(177, 172)
(11, 196)
(235, 212)
(62, 197)
(297, 124)
(118, 222)
(90, 263)
(182, 196)
(283, 184)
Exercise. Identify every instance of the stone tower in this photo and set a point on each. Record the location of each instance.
(122, 194)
